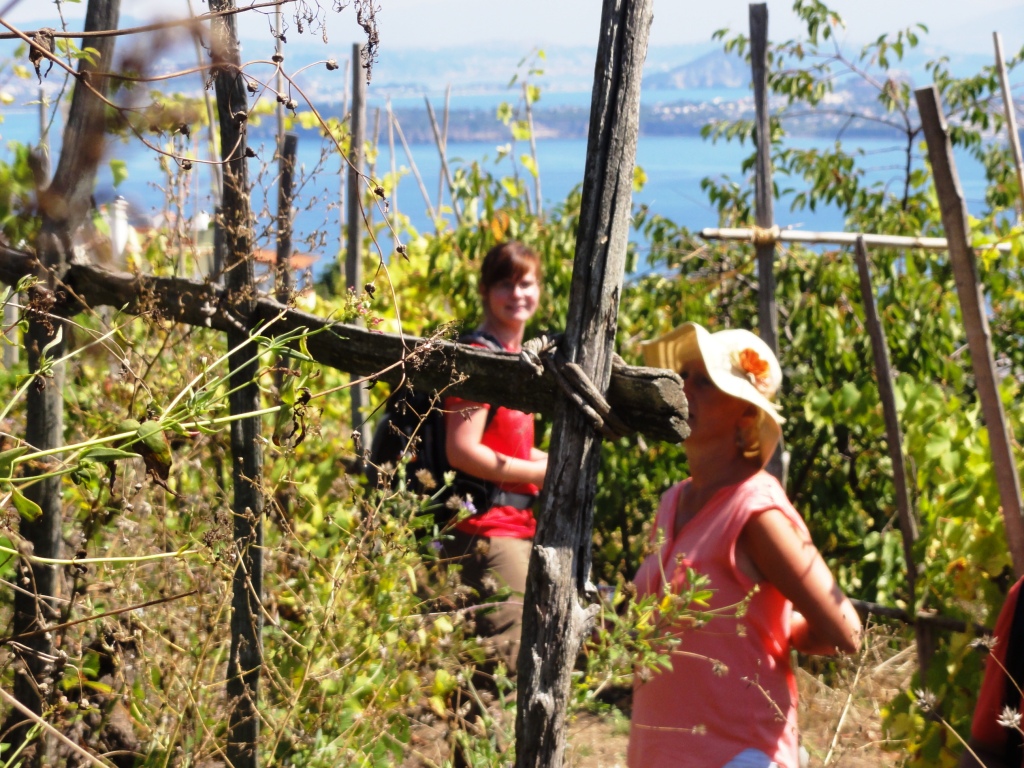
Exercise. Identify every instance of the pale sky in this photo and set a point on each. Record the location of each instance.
(961, 26)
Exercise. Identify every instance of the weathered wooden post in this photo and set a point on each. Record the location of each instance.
(894, 437)
(288, 143)
(972, 307)
(246, 656)
(764, 203)
(64, 206)
(555, 620)
(353, 248)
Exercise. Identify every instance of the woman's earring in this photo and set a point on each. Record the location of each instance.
(748, 436)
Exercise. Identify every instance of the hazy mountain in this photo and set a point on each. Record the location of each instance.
(712, 70)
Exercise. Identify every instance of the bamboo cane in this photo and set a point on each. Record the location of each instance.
(894, 437)
(412, 165)
(533, 151)
(748, 235)
(444, 141)
(444, 159)
(972, 306)
(394, 173)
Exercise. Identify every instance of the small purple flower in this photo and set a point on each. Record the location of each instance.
(469, 507)
(436, 545)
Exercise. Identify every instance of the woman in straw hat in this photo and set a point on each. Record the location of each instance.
(729, 698)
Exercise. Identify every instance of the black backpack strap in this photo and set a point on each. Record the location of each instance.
(480, 336)
(488, 490)
(1014, 663)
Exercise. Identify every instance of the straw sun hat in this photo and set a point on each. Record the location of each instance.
(738, 362)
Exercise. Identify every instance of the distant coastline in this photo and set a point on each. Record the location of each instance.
(845, 115)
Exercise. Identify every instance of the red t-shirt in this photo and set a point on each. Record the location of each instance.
(984, 728)
(511, 434)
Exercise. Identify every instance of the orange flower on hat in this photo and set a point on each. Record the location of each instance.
(756, 369)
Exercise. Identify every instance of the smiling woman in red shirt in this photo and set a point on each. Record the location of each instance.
(493, 545)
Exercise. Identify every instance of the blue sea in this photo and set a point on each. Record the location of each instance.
(674, 167)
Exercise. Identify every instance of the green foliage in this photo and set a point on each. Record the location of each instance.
(18, 221)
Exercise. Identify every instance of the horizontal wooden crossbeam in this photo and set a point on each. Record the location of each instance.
(648, 400)
(748, 235)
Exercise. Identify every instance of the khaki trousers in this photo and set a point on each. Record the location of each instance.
(489, 566)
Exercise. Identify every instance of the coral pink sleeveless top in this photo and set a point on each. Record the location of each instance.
(731, 687)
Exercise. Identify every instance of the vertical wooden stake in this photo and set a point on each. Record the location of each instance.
(894, 437)
(371, 167)
(1011, 119)
(412, 167)
(764, 205)
(555, 621)
(444, 141)
(246, 656)
(288, 143)
(13, 335)
(444, 160)
(972, 307)
(285, 195)
(343, 173)
(371, 164)
(72, 185)
(538, 200)
(44, 139)
(279, 79)
(394, 174)
(353, 249)
(211, 120)
(219, 246)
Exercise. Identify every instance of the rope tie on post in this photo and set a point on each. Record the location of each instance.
(534, 350)
(765, 235)
(542, 353)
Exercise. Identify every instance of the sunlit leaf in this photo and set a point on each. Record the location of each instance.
(27, 508)
(7, 459)
(119, 170)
